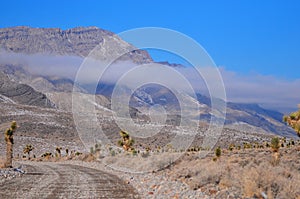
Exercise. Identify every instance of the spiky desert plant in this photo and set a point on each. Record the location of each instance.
(293, 120)
(27, 149)
(275, 144)
(126, 142)
(58, 151)
(218, 152)
(9, 139)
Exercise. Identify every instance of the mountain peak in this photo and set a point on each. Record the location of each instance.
(78, 41)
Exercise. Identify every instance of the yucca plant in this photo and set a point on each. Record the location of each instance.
(126, 142)
(293, 120)
(218, 152)
(58, 151)
(275, 144)
(27, 149)
(9, 139)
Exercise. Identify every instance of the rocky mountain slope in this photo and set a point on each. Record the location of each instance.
(80, 41)
(242, 117)
(21, 93)
(76, 41)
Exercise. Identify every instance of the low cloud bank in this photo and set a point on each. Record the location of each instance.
(269, 91)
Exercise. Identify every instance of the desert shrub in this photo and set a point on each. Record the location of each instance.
(134, 152)
(218, 152)
(97, 147)
(126, 141)
(27, 149)
(247, 145)
(58, 151)
(275, 144)
(46, 154)
(292, 142)
(92, 150)
(231, 147)
(293, 120)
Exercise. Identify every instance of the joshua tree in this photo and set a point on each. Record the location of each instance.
(218, 152)
(294, 120)
(275, 144)
(9, 139)
(27, 149)
(58, 150)
(126, 142)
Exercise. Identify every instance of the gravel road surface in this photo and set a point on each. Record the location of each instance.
(50, 180)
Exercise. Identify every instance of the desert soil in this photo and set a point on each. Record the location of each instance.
(51, 180)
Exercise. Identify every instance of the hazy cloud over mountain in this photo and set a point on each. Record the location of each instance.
(269, 91)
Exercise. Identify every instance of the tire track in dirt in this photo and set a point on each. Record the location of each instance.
(52, 180)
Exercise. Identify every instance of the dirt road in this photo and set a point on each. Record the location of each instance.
(52, 180)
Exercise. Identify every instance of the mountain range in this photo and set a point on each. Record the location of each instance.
(20, 85)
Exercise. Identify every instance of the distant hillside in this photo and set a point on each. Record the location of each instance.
(21, 93)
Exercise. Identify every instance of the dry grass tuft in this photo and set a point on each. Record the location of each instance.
(252, 173)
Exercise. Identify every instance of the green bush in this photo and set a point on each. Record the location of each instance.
(218, 152)
(275, 144)
(92, 150)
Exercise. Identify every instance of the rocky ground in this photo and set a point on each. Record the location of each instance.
(165, 173)
(245, 173)
(53, 180)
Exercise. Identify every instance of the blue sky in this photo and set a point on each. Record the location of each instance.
(249, 40)
(243, 36)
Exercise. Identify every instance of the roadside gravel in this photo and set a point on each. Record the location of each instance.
(149, 185)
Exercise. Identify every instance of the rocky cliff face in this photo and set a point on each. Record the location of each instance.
(76, 41)
(13, 92)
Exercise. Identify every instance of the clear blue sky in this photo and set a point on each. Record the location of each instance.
(244, 36)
